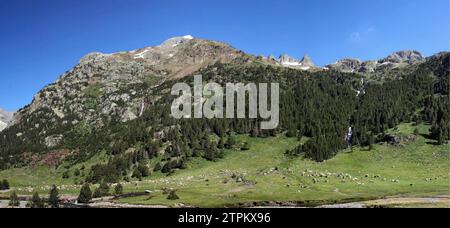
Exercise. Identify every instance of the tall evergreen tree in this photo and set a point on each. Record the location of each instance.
(14, 200)
(85, 194)
(53, 198)
(36, 201)
(118, 189)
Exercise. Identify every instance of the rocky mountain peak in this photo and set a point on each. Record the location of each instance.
(174, 58)
(175, 41)
(346, 65)
(117, 83)
(396, 60)
(407, 56)
(307, 61)
(93, 57)
(305, 64)
(284, 58)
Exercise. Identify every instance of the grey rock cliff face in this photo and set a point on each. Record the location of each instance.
(5, 118)
(307, 61)
(409, 57)
(396, 60)
(305, 64)
(347, 65)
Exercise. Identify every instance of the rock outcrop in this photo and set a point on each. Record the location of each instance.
(5, 118)
(409, 57)
(396, 60)
(305, 64)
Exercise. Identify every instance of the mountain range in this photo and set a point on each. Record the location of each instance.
(119, 86)
(395, 60)
(112, 76)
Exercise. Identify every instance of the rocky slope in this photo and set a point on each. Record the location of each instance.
(285, 60)
(396, 60)
(5, 118)
(106, 85)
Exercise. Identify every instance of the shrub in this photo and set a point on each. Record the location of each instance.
(14, 200)
(85, 194)
(118, 190)
(102, 190)
(173, 195)
(36, 201)
(246, 146)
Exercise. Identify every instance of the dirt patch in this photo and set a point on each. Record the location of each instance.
(50, 159)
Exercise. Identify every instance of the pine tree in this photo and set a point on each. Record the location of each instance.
(167, 167)
(212, 153)
(85, 194)
(14, 200)
(136, 173)
(230, 143)
(292, 132)
(36, 201)
(97, 193)
(143, 169)
(77, 172)
(102, 190)
(53, 199)
(118, 189)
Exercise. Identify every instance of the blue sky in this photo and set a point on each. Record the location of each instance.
(41, 39)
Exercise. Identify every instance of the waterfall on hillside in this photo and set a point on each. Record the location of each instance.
(142, 109)
(349, 137)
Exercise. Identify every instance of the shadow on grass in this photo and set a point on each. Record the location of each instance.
(430, 141)
(434, 143)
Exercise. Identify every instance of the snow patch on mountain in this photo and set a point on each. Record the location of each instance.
(140, 55)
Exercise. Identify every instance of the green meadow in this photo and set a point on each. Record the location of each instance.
(264, 175)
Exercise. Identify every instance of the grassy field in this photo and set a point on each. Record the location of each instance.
(40, 179)
(265, 174)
